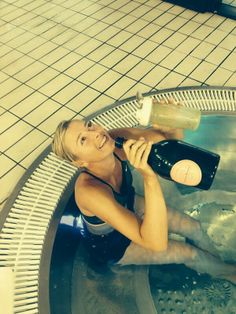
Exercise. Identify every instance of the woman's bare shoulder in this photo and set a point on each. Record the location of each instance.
(83, 186)
(84, 181)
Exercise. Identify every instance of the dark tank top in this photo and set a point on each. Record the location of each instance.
(104, 243)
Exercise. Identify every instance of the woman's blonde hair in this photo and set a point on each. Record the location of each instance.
(58, 142)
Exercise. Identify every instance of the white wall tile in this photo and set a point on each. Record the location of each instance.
(7, 120)
(177, 23)
(50, 124)
(6, 164)
(230, 62)
(54, 55)
(106, 80)
(218, 55)
(228, 42)
(14, 134)
(140, 70)
(9, 181)
(28, 104)
(98, 104)
(113, 58)
(187, 65)
(136, 26)
(175, 40)
(66, 61)
(119, 38)
(215, 20)
(92, 74)
(202, 32)
(15, 96)
(148, 30)
(42, 50)
(155, 76)
(57, 83)
(83, 99)
(132, 43)
(26, 145)
(202, 50)
(216, 37)
(162, 35)
(42, 78)
(188, 45)
(171, 80)
(164, 19)
(231, 82)
(202, 72)
(138, 87)
(173, 59)
(120, 87)
(201, 17)
(125, 21)
(101, 53)
(227, 26)
(108, 33)
(79, 67)
(2, 110)
(41, 113)
(127, 63)
(219, 77)
(159, 54)
(189, 27)
(143, 50)
(68, 92)
(7, 86)
(30, 71)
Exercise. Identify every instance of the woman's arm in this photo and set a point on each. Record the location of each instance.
(152, 231)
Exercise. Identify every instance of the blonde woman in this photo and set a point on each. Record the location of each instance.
(113, 231)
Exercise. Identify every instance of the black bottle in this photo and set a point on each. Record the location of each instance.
(181, 162)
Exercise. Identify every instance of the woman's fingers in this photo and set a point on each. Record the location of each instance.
(134, 150)
(131, 147)
(137, 152)
(169, 101)
(162, 101)
(146, 153)
(139, 155)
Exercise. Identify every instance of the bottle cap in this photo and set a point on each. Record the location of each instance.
(143, 114)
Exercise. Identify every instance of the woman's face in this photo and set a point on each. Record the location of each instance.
(87, 141)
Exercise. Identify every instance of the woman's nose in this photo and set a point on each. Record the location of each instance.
(96, 135)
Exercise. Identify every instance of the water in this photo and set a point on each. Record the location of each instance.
(215, 208)
(174, 288)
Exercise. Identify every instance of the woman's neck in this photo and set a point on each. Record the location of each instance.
(104, 169)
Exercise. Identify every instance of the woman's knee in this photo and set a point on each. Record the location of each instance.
(182, 251)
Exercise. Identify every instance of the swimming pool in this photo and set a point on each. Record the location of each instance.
(157, 289)
(39, 238)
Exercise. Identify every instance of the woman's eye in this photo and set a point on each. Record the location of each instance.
(89, 124)
(82, 140)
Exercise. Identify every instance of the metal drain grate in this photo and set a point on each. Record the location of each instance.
(219, 293)
(177, 289)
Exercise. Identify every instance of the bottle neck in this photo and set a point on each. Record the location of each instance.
(119, 141)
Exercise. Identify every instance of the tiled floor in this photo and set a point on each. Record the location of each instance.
(230, 2)
(65, 58)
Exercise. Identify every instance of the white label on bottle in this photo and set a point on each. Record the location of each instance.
(186, 172)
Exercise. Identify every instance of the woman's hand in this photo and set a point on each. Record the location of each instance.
(137, 152)
(169, 132)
